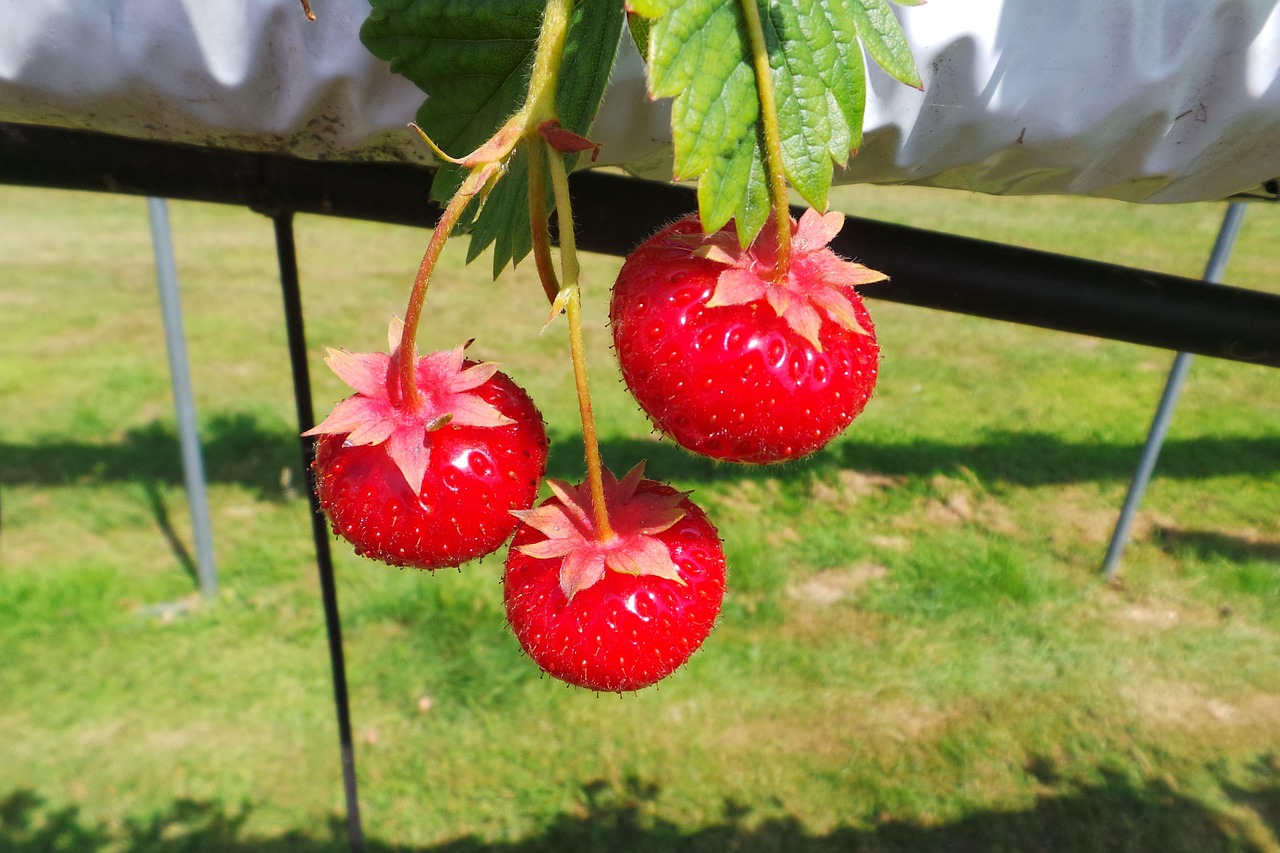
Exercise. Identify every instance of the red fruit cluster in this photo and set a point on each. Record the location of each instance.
(734, 361)
(610, 585)
(449, 477)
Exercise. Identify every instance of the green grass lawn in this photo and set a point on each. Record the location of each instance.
(916, 651)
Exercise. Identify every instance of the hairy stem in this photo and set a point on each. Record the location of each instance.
(772, 135)
(485, 164)
(577, 349)
(478, 181)
(534, 147)
(546, 61)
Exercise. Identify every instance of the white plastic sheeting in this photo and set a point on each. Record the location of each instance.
(1144, 100)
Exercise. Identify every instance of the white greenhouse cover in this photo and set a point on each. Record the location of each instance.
(1143, 100)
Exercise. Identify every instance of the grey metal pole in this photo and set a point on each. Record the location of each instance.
(1218, 258)
(183, 398)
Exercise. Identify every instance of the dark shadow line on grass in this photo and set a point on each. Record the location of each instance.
(1264, 799)
(1112, 814)
(1016, 458)
(239, 449)
(1207, 544)
(160, 512)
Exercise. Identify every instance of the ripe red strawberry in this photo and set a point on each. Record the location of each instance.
(436, 486)
(621, 614)
(732, 364)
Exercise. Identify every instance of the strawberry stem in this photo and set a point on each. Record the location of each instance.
(540, 104)
(485, 165)
(772, 136)
(477, 181)
(577, 348)
(534, 146)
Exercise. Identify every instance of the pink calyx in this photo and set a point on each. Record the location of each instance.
(568, 522)
(813, 286)
(378, 413)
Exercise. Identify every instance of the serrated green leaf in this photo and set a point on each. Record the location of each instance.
(639, 28)
(809, 126)
(473, 61)
(882, 35)
(838, 61)
(735, 186)
(699, 55)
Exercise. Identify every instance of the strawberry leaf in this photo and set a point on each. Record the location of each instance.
(473, 61)
(699, 55)
(885, 41)
(639, 29)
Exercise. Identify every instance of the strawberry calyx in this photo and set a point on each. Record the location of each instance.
(813, 285)
(568, 522)
(379, 412)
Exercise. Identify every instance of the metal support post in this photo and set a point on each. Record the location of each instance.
(183, 398)
(1168, 400)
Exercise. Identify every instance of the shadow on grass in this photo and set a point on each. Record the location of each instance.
(160, 511)
(238, 448)
(1024, 459)
(1207, 544)
(1112, 815)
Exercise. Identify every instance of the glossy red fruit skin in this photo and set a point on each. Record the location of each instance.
(732, 382)
(475, 477)
(625, 632)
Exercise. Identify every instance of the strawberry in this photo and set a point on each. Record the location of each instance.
(432, 486)
(733, 364)
(619, 614)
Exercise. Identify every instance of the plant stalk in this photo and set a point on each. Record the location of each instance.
(546, 62)
(534, 147)
(477, 181)
(485, 166)
(772, 136)
(577, 349)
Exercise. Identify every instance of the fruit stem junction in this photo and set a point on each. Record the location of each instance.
(577, 349)
(479, 181)
(772, 136)
(485, 166)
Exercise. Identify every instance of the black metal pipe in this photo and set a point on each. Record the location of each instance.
(1053, 291)
(291, 289)
(78, 160)
(615, 213)
(987, 279)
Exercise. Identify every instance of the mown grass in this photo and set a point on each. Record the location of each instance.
(916, 652)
